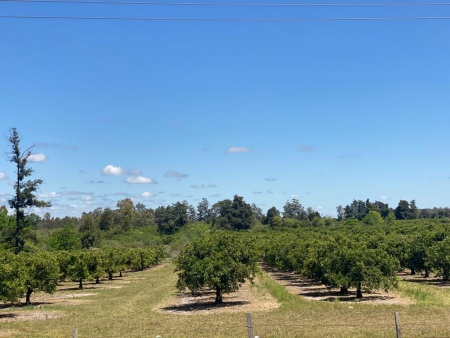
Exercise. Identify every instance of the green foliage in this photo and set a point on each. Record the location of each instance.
(221, 262)
(25, 192)
(67, 238)
(41, 272)
(438, 258)
(12, 278)
(172, 218)
(90, 232)
(373, 218)
(232, 215)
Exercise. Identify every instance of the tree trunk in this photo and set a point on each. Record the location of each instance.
(120, 274)
(219, 299)
(110, 275)
(28, 295)
(413, 272)
(97, 281)
(445, 275)
(358, 291)
(80, 285)
(427, 273)
(343, 290)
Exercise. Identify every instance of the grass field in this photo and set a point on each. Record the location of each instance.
(130, 307)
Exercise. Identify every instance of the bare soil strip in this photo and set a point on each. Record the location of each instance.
(247, 299)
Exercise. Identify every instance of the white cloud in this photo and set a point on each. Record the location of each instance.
(112, 170)
(50, 195)
(3, 176)
(233, 150)
(294, 196)
(270, 179)
(147, 194)
(212, 186)
(37, 158)
(384, 197)
(140, 180)
(170, 173)
(87, 198)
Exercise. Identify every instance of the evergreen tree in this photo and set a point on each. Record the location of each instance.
(25, 190)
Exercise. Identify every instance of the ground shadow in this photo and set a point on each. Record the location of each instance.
(206, 305)
(7, 315)
(421, 279)
(19, 305)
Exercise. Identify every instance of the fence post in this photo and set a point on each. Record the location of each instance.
(75, 332)
(397, 325)
(249, 325)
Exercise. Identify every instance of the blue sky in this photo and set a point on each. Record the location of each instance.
(322, 111)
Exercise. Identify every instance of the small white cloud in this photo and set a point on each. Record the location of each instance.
(37, 158)
(384, 197)
(170, 173)
(320, 207)
(87, 198)
(257, 192)
(234, 150)
(140, 180)
(270, 179)
(212, 186)
(294, 196)
(147, 194)
(269, 192)
(112, 170)
(198, 186)
(3, 176)
(50, 195)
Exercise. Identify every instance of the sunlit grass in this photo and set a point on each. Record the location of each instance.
(130, 311)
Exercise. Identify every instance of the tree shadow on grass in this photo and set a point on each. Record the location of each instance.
(7, 315)
(19, 305)
(207, 305)
(421, 279)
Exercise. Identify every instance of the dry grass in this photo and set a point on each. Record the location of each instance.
(141, 307)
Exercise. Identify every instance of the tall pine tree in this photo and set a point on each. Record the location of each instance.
(25, 190)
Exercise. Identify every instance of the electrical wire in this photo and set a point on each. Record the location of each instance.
(442, 18)
(200, 4)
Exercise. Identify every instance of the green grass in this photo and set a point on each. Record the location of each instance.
(130, 312)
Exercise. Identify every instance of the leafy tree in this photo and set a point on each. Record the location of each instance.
(203, 210)
(257, 213)
(438, 258)
(95, 264)
(273, 217)
(360, 267)
(106, 220)
(417, 259)
(172, 218)
(127, 213)
(340, 213)
(373, 218)
(12, 278)
(90, 231)
(67, 238)
(41, 273)
(233, 215)
(220, 262)
(403, 210)
(76, 267)
(294, 209)
(24, 196)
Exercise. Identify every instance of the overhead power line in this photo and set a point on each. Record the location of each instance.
(222, 19)
(201, 4)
